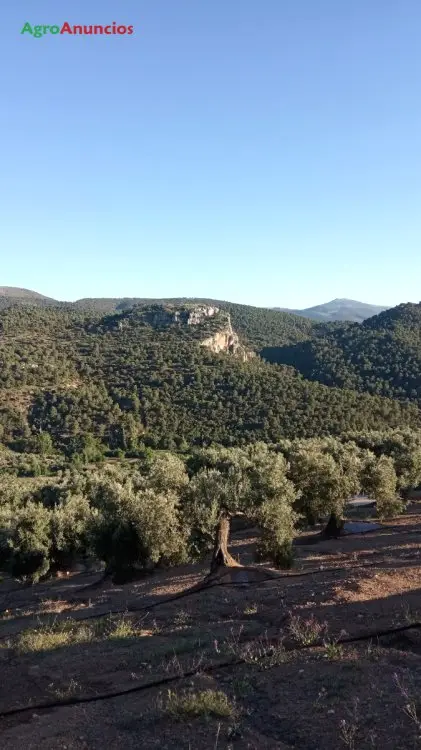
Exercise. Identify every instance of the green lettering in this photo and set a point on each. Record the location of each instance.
(28, 28)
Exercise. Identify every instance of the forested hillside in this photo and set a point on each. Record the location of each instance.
(258, 326)
(138, 377)
(381, 355)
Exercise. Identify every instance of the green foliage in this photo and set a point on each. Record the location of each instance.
(322, 482)
(252, 482)
(29, 541)
(70, 522)
(277, 521)
(379, 481)
(208, 492)
(43, 444)
(124, 382)
(167, 471)
(76, 385)
(159, 511)
(380, 356)
(136, 526)
(403, 446)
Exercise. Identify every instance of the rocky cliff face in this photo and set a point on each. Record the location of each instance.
(191, 316)
(216, 323)
(226, 340)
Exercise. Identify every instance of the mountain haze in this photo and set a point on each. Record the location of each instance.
(338, 310)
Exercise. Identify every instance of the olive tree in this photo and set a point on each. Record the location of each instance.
(379, 481)
(167, 471)
(325, 483)
(71, 519)
(250, 482)
(26, 541)
(135, 527)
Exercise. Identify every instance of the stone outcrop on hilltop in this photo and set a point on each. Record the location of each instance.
(221, 336)
(226, 340)
(191, 316)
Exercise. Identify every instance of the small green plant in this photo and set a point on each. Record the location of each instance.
(349, 729)
(411, 707)
(205, 703)
(182, 618)
(333, 651)
(73, 688)
(306, 631)
(251, 609)
(122, 628)
(333, 648)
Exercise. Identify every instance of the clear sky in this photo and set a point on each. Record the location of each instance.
(262, 151)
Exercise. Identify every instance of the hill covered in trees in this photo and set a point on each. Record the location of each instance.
(381, 356)
(259, 326)
(212, 430)
(144, 377)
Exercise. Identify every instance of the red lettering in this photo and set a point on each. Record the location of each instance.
(130, 29)
(121, 30)
(66, 29)
(107, 27)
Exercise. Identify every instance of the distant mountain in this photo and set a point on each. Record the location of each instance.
(338, 309)
(14, 292)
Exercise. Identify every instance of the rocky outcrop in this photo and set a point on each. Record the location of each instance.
(227, 341)
(191, 316)
(216, 322)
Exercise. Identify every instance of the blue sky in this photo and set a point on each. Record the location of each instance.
(262, 151)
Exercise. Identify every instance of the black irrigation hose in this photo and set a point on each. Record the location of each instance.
(118, 693)
(89, 586)
(192, 672)
(206, 587)
(276, 577)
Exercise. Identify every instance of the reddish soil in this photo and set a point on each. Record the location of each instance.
(297, 685)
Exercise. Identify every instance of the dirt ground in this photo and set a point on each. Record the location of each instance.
(306, 660)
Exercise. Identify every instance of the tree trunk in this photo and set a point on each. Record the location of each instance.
(334, 526)
(221, 557)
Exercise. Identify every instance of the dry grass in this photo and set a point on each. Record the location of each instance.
(307, 631)
(55, 606)
(59, 633)
(205, 703)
